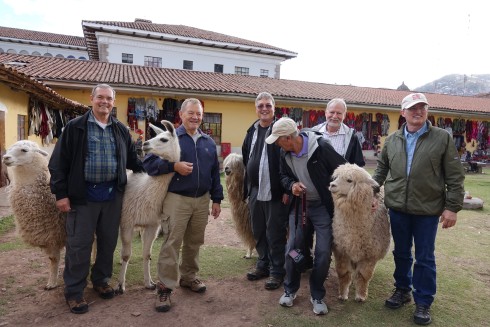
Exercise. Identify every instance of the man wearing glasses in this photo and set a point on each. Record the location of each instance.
(425, 187)
(266, 198)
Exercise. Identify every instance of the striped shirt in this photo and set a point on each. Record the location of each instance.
(336, 139)
(101, 161)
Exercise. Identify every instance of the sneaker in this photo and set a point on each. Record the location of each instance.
(163, 303)
(78, 306)
(287, 299)
(195, 285)
(257, 274)
(421, 315)
(273, 283)
(319, 307)
(399, 298)
(105, 291)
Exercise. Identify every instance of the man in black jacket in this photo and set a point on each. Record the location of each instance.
(88, 177)
(307, 163)
(266, 198)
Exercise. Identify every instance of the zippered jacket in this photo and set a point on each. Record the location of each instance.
(67, 162)
(273, 155)
(436, 180)
(205, 176)
(321, 163)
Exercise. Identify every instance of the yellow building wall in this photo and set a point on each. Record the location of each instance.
(238, 116)
(17, 104)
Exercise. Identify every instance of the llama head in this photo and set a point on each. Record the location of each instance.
(23, 153)
(165, 144)
(352, 181)
(233, 164)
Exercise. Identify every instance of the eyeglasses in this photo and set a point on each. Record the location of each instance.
(261, 106)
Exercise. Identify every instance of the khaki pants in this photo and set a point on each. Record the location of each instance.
(184, 223)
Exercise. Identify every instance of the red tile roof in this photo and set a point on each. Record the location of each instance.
(175, 33)
(56, 70)
(27, 35)
(10, 75)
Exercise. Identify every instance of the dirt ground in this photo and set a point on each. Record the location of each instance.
(227, 302)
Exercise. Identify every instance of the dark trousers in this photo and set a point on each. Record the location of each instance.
(269, 222)
(321, 222)
(408, 230)
(101, 219)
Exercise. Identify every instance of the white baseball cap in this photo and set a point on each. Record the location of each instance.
(283, 127)
(412, 99)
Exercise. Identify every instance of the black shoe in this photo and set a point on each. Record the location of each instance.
(105, 291)
(399, 298)
(421, 315)
(273, 283)
(257, 274)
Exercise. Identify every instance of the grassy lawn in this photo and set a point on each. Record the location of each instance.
(463, 261)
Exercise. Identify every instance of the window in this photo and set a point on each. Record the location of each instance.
(59, 56)
(127, 58)
(264, 73)
(71, 57)
(241, 70)
(82, 58)
(21, 127)
(188, 64)
(35, 53)
(47, 54)
(153, 61)
(23, 52)
(211, 125)
(218, 68)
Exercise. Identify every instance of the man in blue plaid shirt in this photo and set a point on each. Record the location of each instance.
(88, 176)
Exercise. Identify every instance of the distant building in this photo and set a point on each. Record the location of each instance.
(144, 43)
(403, 87)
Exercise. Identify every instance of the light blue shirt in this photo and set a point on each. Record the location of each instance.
(411, 143)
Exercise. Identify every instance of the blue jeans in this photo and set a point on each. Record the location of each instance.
(321, 222)
(408, 230)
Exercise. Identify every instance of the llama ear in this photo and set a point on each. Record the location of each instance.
(168, 126)
(156, 129)
(44, 153)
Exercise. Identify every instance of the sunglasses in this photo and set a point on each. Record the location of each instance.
(261, 106)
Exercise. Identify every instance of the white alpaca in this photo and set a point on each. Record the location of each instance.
(234, 178)
(143, 202)
(37, 219)
(361, 228)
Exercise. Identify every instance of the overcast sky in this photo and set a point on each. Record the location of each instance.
(375, 43)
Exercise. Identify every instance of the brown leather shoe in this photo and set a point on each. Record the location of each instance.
(257, 274)
(105, 291)
(78, 306)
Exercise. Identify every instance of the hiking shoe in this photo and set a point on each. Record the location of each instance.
(421, 315)
(105, 291)
(399, 298)
(257, 274)
(195, 285)
(163, 303)
(78, 306)
(273, 283)
(319, 307)
(287, 299)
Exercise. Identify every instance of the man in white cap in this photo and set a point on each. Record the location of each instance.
(307, 163)
(425, 187)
